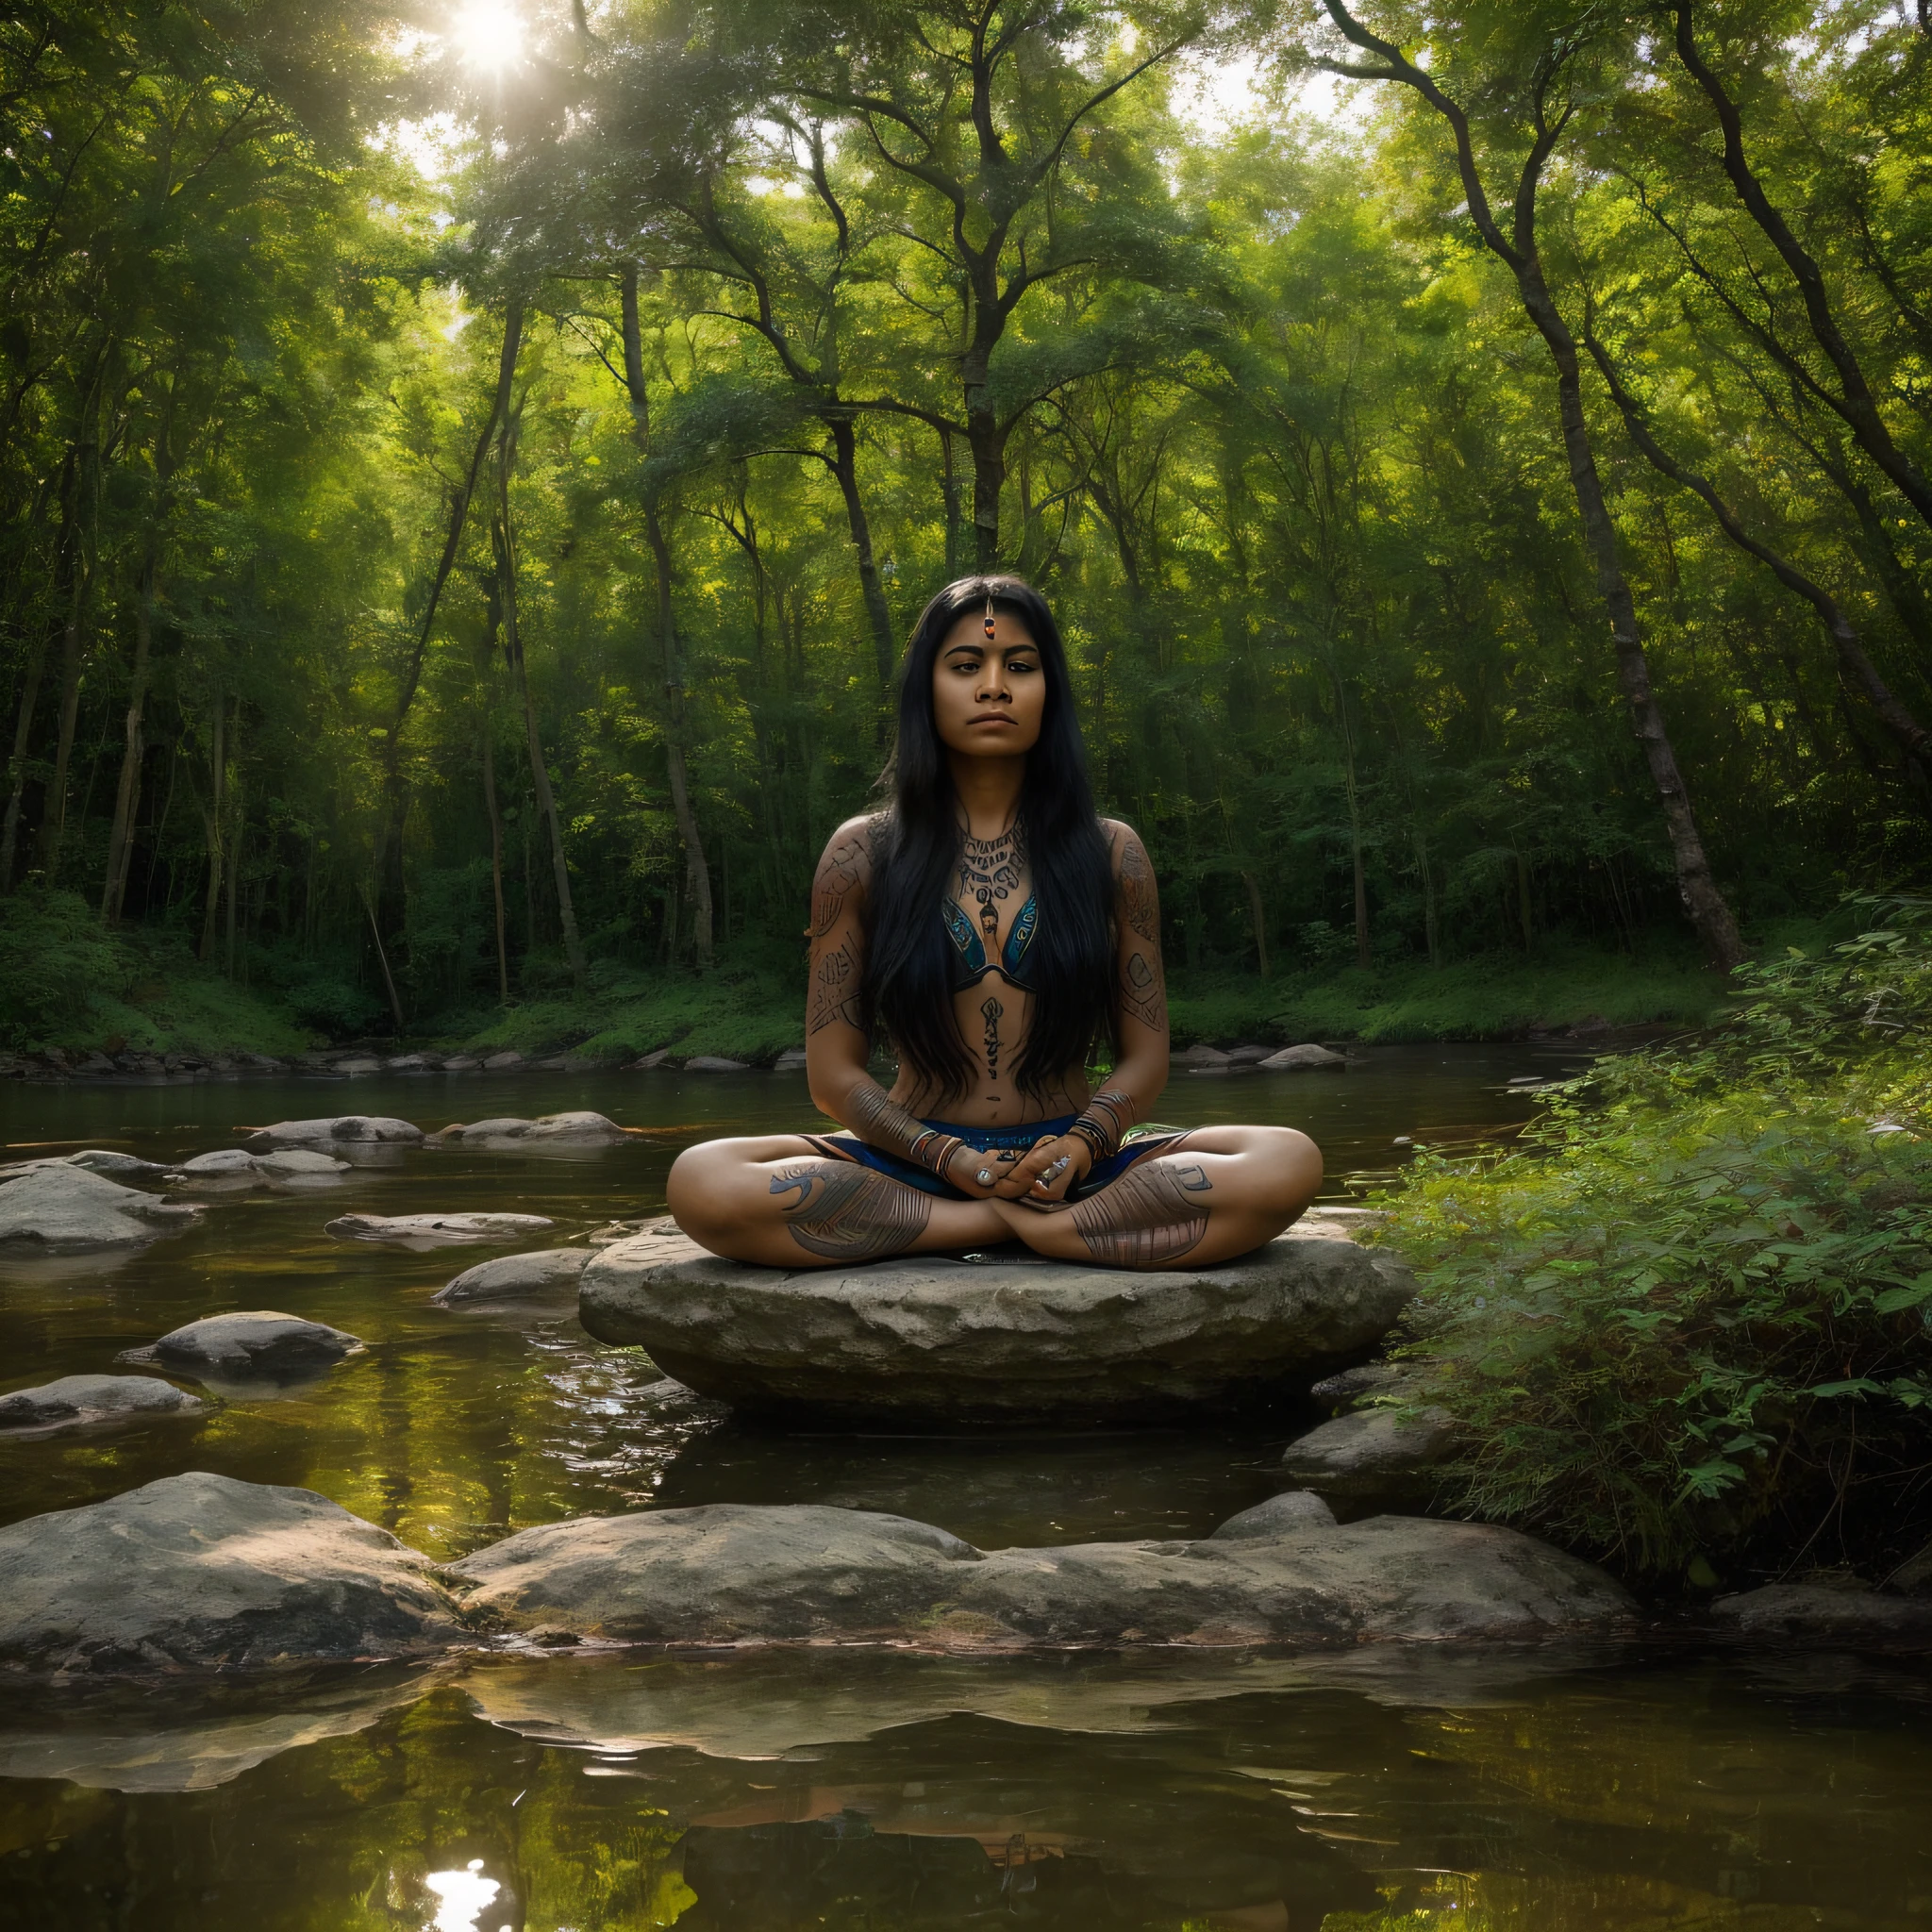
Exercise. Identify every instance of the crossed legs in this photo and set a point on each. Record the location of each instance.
(776, 1199)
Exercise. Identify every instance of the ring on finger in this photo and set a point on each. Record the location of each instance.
(984, 1176)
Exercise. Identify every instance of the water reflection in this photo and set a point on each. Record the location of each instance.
(802, 1790)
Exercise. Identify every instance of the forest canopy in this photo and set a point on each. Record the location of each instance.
(467, 471)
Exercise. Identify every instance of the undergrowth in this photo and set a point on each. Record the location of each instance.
(1685, 1324)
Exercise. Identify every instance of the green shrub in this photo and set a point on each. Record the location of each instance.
(56, 959)
(1685, 1323)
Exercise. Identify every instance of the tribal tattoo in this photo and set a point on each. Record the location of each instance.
(1142, 992)
(991, 1012)
(882, 1122)
(835, 982)
(846, 1212)
(989, 871)
(1151, 1214)
(1140, 904)
(845, 869)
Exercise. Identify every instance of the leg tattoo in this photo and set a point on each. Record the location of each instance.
(1151, 1214)
(846, 1212)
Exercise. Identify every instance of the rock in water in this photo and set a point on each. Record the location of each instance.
(300, 1164)
(1291, 1510)
(510, 1277)
(1304, 1058)
(110, 1161)
(1375, 1453)
(928, 1341)
(223, 1161)
(362, 1127)
(76, 1402)
(728, 1572)
(256, 1342)
(435, 1230)
(202, 1570)
(552, 1130)
(715, 1064)
(62, 1208)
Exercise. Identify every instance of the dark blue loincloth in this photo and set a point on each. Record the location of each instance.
(1022, 1139)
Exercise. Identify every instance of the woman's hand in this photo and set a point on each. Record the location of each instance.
(1041, 1177)
(965, 1166)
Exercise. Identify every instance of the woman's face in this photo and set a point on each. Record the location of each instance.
(989, 695)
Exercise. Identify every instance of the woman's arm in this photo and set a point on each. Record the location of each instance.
(1140, 1074)
(836, 1043)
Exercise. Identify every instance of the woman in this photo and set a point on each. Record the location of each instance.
(998, 928)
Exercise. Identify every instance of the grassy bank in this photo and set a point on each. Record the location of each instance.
(64, 982)
(1686, 1328)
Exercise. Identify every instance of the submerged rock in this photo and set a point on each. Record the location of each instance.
(1811, 1612)
(76, 1402)
(715, 1064)
(551, 1130)
(223, 1161)
(509, 1277)
(929, 1340)
(348, 1127)
(726, 1572)
(300, 1164)
(58, 1206)
(435, 1230)
(1375, 1453)
(202, 1570)
(110, 1161)
(1304, 1058)
(253, 1342)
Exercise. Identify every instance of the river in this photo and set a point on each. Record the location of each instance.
(875, 1790)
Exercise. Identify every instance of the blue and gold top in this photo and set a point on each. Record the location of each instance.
(970, 960)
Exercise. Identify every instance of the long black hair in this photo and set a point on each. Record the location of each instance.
(907, 981)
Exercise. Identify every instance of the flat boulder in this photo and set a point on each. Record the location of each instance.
(435, 1230)
(201, 1570)
(735, 1574)
(928, 1341)
(58, 1207)
(351, 1128)
(511, 1277)
(302, 1164)
(78, 1402)
(111, 1160)
(1304, 1059)
(223, 1161)
(715, 1064)
(1812, 1613)
(1375, 1453)
(550, 1130)
(252, 1344)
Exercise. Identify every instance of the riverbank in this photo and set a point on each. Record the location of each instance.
(66, 984)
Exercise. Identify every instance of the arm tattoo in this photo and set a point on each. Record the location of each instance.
(845, 867)
(835, 990)
(1143, 992)
(1139, 905)
(1151, 1214)
(883, 1122)
(846, 1212)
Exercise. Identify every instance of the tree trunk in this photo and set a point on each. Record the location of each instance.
(949, 492)
(133, 747)
(1855, 666)
(22, 736)
(1705, 904)
(1260, 920)
(395, 806)
(212, 817)
(496, 863)
(846, 467)
(73, 641)
(540, 773)
(697, 867)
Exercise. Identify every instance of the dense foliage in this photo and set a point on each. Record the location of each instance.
(459, 512)
(1689, 1326)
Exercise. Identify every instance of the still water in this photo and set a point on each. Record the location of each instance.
(864, 1791)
